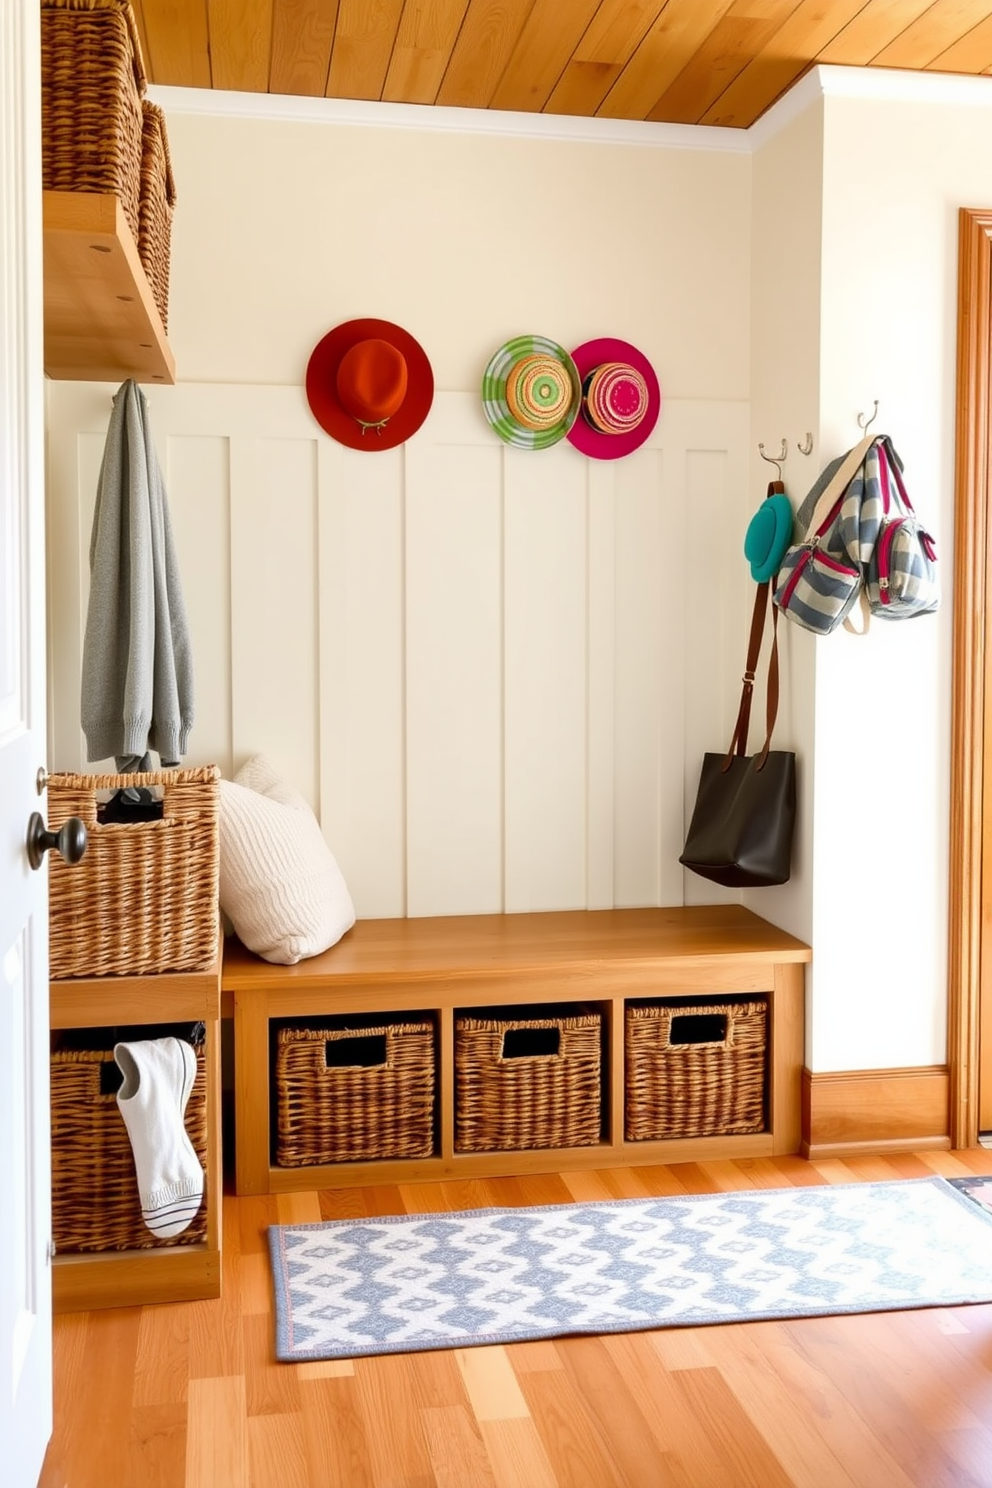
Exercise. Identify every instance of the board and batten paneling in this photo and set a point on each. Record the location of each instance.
(492, 672)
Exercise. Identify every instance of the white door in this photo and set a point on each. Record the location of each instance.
(25, 1268)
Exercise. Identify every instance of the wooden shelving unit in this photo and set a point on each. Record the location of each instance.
(174, 1273)
(440, 966)
(101, 320)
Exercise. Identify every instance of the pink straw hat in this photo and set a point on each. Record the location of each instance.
(621, 399)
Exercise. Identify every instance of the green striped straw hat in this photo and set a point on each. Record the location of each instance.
(531, 392)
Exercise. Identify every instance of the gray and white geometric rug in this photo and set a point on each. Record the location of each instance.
(428, 1281)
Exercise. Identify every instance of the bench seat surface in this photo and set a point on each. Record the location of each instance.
(408, 950)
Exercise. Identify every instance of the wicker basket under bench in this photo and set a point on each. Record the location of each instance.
(505, 972)
(354, 1089)
(95, 1202)
(104, 1259)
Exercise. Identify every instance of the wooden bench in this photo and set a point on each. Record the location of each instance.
(437, 966)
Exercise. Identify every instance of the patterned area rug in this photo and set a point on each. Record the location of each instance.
(393, 1285)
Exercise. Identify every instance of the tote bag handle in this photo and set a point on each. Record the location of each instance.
(738, 742)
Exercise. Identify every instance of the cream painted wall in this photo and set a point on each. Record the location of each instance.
(283, 229)
(493, 673)
(896, 170)
(832, 285)
(882, 161)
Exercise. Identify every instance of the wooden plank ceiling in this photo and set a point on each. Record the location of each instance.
(681, 61)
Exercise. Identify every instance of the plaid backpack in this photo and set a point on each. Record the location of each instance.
(863, 544)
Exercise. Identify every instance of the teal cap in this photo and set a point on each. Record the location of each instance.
(768, 535)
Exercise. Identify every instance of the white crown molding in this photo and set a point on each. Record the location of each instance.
(872, 84)
(369, 114)
(887, 85)
(883, 85)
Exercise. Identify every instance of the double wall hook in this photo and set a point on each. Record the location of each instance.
(805, 446)
(775, 460)
(863, 423)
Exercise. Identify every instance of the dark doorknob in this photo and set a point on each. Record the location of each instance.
(69, 840)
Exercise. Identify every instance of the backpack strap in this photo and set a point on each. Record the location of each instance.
(865, 610)
(838, 484)
(828, 499)
(771, 692)
(889, 464)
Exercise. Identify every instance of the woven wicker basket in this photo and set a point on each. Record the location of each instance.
(144, 897)
(507, 1097)
(92, 82)
(156, 204)
(694, 1069)
(95, 1204)
(377, 1104)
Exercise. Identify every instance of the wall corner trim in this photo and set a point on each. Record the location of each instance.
(857, 1112)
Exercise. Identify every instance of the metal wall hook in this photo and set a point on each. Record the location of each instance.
(863, 423)
(805, 447)
(775, 460)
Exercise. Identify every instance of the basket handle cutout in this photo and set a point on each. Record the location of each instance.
(111, 1077)
(698, 1028)
(531, 1043)
(365, 1050)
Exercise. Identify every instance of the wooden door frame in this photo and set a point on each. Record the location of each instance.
(969, 903)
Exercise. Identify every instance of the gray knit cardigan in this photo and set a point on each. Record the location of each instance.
(137, 671)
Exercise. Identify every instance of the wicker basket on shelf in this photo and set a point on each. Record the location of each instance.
(95, 1203)
(156, 205)
(527, 1079)
(92, 84)
(143, 899)
(356, 1093)
(694, 1069)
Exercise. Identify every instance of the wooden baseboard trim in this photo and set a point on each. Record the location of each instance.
(873, 1149)
(861, 1112)
(83, 1282)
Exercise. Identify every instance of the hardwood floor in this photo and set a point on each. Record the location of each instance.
(188, 1395)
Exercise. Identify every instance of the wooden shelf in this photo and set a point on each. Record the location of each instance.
(101, 320)
(96, 1002)
(174, 1273)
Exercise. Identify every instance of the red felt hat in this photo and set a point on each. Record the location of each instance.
(369, 384)
(621, 398)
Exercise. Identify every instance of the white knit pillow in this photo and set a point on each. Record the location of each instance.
(280, 885)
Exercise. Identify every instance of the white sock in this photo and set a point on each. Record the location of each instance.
(158, 1077)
